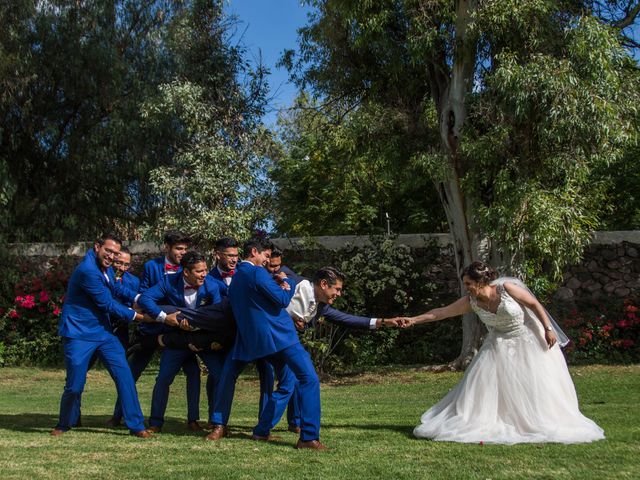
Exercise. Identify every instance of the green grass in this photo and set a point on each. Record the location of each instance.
(366, 421)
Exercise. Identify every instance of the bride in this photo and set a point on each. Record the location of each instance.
(517, 389)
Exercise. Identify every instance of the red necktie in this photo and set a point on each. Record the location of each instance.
(230, 273)
(169, 267)
(190, 287)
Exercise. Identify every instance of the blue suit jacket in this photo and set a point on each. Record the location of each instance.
(341, 318)
(131, 283)
(153, 273)
(170, 291)
(90, 300)
(214, 273)
(258, 304)
(291, 274)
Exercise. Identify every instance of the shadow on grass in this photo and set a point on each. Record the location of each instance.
(45, 422)
(406, 430)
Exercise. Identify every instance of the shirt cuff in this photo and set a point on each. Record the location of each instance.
(135, 300)
(372, 323)
(161, 316)
(134, 316)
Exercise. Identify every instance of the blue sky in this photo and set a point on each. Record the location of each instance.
(267, 28)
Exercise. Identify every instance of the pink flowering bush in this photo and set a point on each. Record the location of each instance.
(29, 323)
(606, 335)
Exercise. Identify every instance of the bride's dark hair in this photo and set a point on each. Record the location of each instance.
(480, 272)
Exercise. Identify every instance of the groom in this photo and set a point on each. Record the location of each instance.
(265, 330)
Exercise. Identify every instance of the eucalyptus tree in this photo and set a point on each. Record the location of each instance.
(526, 98)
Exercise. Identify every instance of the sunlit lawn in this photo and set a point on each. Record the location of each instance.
(366, 421)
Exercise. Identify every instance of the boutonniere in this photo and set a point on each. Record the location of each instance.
(205, 301)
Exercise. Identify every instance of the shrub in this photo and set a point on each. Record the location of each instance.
(28, 326)
(604, 333)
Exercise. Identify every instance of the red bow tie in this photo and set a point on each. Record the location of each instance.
(169, 267)
(190, 287)
(230, 273)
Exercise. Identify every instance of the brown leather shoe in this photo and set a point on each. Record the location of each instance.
(143, 434)
(154, 429)
(268, 438)
(113, 422)
(56, 432)
(293, 428)
(194, 427)
(218, 432)
(312, 444)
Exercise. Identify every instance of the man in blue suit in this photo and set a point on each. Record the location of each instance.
(121, 266)
(226, 250)
(265, 330)
(275, 266)
(312, 301)
(175, 245)
(85, 327)
(192, 288)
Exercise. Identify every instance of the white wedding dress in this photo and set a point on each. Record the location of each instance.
(516, 389)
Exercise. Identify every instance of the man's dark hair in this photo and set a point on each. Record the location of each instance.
(276, 252)
(330, 274)
(124, 249)
(259, 243)
(190, 258)
(174, 237)
(109, 236)
(224, 243)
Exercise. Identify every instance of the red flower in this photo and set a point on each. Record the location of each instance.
(44, 296)
(56, 311)
(14, 314)
(607, 328)
(588, 334)
(631, 309)
(623, 324)
(28, 302)
(626, 343)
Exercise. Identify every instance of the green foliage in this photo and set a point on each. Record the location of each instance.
(77, 81)
(550, 108)
(381, 281)
(343, 174)
(211, 189)
(541, 128)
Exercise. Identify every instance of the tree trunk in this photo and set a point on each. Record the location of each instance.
(452, 115)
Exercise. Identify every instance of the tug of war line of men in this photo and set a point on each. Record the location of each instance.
(243, 310)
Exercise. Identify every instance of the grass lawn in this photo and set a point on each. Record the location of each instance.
(366, 421)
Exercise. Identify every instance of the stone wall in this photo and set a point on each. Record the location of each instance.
(610, 267)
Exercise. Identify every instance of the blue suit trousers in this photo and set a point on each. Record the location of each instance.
(77, 354)
(138, 362)
(171, 362)
(293, 361)
(227, 385)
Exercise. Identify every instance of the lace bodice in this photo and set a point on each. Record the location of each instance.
(509, 317)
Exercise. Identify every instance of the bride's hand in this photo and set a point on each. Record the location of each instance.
(550, 337)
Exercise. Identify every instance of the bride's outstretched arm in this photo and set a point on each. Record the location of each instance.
(525, 298)
(459, 307)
